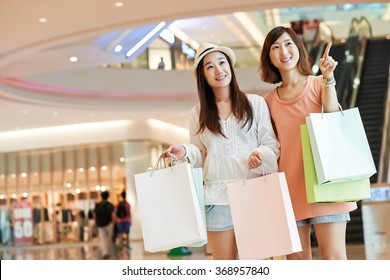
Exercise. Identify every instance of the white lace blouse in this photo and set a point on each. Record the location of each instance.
(224, 160)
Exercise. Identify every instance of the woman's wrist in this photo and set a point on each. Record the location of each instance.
(185, 151)
(329, 82)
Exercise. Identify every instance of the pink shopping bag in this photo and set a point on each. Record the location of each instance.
(263, 217)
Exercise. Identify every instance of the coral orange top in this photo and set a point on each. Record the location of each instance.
(287, 116)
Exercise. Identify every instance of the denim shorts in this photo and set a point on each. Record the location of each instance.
(124, 227)
(218, 217)
(344, 217)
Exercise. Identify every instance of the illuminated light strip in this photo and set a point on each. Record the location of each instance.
(276, 17)
(95, 127)
(117, 40)
(183, 36)
(145, 39)
(168, 36)
(386, 15)
(240, 35)
(45, 89)
(167, 126)
(272, 17)
(63, 129)
(251, 27)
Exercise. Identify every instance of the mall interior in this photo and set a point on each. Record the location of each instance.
(85, 106)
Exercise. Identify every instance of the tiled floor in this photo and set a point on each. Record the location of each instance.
(91, 251)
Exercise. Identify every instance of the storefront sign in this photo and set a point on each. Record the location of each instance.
(22, 222)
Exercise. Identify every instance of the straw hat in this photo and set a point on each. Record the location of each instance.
(206, 48)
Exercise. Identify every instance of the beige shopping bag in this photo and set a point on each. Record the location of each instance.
(263, 217)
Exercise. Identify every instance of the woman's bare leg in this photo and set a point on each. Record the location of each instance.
(222, 244)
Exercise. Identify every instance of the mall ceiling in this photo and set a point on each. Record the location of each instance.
(39, 37)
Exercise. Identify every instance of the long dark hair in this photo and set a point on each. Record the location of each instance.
(271, 74)
(208, 116)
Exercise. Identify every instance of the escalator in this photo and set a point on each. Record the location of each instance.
(371, 100)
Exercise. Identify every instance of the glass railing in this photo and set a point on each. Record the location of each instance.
(384, 159)
(361, 30)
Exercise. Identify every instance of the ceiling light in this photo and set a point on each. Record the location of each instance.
(145, 39)
(42, 20)
(167, 36)
(119, 4)
(183, 36)
(73, 58)
(118, 48)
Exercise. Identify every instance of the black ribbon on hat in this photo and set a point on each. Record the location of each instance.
(206, 51)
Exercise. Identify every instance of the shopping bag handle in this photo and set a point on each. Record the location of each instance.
(175, 160)
(264, 171)
(161, 164)
(264, 175)
(322, 110)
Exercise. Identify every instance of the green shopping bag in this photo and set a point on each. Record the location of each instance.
(332, 192)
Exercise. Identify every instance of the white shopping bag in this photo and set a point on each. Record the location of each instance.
(340, 147)
(263, 217)
(197, 175)
(169, 208)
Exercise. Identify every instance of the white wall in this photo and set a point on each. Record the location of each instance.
(90, 133)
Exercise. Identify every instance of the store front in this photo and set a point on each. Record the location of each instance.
(48, 196)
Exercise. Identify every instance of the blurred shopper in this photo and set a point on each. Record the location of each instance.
(104, 216)
(123, 220)
(161, 65)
